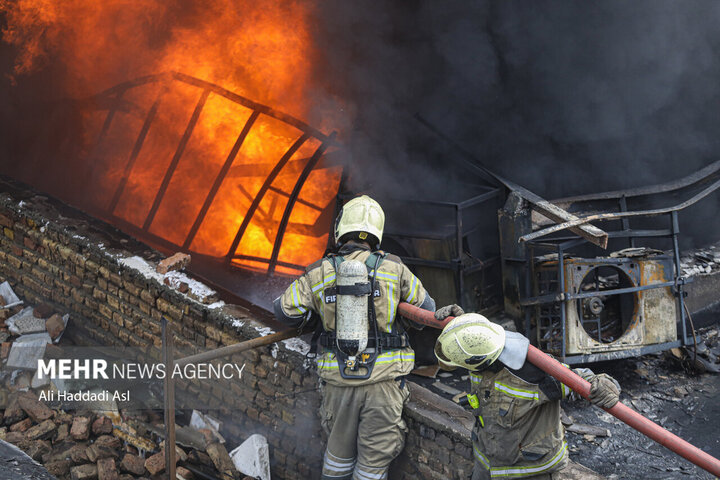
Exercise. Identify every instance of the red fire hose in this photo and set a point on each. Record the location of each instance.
(555, 369)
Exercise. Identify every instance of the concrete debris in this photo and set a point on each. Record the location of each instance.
(27, 349)
(9, 299)
(252, 457)
(25, 322)
(446, 388)
(205, 422)
(176, 262)
(221, 459)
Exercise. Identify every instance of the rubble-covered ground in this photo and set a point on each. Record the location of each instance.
(85, 443)
(667, 390)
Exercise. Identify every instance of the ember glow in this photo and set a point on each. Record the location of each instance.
(136, 173)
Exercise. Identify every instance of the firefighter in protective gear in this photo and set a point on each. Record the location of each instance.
(362, 397)
(517, 432)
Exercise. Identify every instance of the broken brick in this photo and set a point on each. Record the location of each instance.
(183, 473)
(77, 454)
(62, 433)
(108, 441)
(5, 350)
(96, 452)
(175, 262)
(14, 437)
(102, 426)
(43, 430)
(43, 310)
(155, 464)
(106, 469)
(21, 426)
(221, 459)
(38, 449)
(132, 464)
(58, 468)
(84, 472)
(80, 429)
(13, 412)
(55, 326)
(35, 409)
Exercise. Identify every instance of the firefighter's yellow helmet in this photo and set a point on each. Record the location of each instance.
(470, 341)
(363, 215)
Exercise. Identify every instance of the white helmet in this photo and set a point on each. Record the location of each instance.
(470, 341)
(363, 215)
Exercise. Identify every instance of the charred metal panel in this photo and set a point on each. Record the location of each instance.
(612, 304)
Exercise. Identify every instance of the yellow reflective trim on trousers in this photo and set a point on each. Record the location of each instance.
(509, 472)
(480, 457)
(516, 392)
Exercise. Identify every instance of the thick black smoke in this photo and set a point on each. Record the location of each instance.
(563, 97)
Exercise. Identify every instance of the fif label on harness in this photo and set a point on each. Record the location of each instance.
(332, 297)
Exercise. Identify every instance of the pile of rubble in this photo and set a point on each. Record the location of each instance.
(99, 441)
(25, 332)
(87, 445)
(701, 262)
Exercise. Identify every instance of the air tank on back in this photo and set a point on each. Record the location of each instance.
(352, 310)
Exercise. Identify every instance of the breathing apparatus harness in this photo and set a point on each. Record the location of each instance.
(379, 341)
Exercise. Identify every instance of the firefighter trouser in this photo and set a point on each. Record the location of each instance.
(365, 429)
(480, 472)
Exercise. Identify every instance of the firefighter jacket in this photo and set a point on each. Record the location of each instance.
(517, 431)
(395, 283)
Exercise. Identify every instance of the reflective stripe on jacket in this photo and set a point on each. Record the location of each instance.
(395, 283)
(520, 433)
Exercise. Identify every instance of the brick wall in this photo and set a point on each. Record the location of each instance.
(50, 252)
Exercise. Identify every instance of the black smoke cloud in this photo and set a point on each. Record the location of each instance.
(563, 97)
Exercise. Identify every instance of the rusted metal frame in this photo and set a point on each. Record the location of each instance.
(696, 177)
(299, 200)
(591, 233)
(219, 179)
(618, 215)
(483, 197)
(176, 159)
(132, 229)
(246, 102)
(168, 344)
(675, 227)
(132, 84)
(563, 304)
(293, 198)
(238, 347)
(618, 354)
(458, 258)
(266, 217)
(630, 234)
(626, 222)
(136, 148)
(103, 131)
(267, 260)
(262, 169)
(263, 190)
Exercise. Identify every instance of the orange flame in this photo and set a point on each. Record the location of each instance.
(260, 50)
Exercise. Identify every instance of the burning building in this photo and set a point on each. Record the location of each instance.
(233, 132)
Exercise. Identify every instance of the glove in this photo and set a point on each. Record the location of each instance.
(604, 391)
(448, 311)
